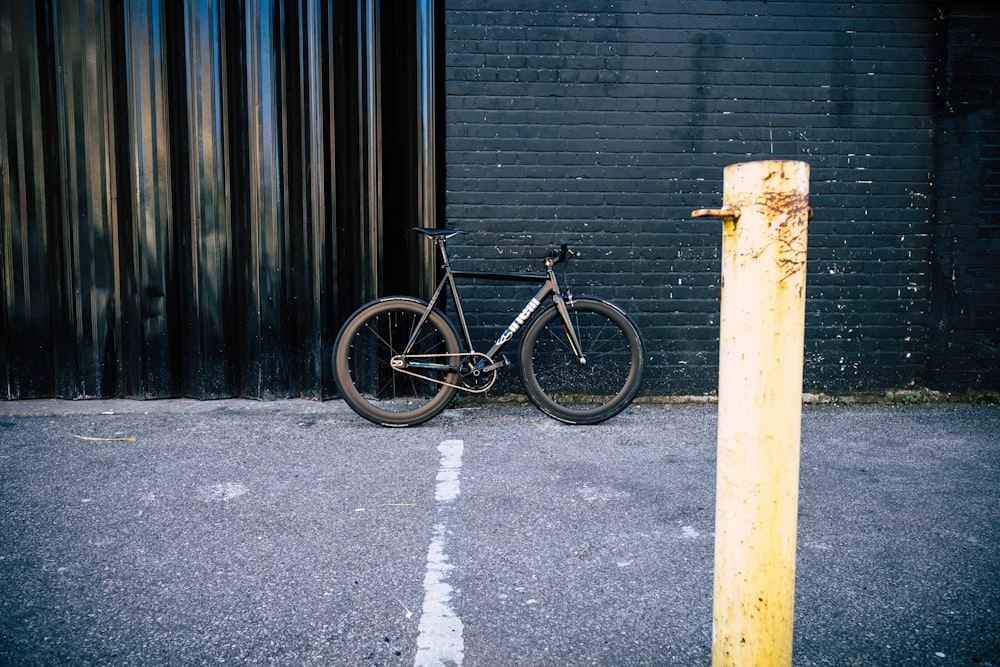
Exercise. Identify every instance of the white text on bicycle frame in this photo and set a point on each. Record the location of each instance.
(519, 321)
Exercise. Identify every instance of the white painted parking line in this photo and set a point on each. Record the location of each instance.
(440, 643)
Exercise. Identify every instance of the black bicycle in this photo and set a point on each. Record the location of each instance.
(399, 361)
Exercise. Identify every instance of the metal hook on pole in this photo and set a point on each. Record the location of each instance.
(724, 213)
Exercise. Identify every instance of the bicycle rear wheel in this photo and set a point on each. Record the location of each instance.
(365, 347)
(576, 393)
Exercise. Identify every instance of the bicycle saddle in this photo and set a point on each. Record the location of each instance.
(437, 232)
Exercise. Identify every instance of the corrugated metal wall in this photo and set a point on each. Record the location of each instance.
(194, 193)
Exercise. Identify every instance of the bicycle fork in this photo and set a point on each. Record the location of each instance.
(569, 329)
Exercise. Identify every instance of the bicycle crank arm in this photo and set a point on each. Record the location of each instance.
(494, 366)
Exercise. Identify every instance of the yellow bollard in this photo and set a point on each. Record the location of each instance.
(765, 220)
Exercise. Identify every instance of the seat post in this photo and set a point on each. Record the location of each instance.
(441, 241)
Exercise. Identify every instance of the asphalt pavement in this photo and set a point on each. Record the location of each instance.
(295, 533)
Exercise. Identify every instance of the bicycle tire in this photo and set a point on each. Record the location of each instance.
(368, 383)
(582, 394)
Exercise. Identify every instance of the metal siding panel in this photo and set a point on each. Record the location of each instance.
(428, 213)
(25, 310)
(207, 236)
(85, 346)
(264, 353)
(371, 149)
(349, 154)
(310, 210)
(149, 355)
(192, 193)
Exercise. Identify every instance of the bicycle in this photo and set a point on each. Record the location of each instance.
(399, 361)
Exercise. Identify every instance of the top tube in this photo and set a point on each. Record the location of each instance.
(500, 275)
(440, 236)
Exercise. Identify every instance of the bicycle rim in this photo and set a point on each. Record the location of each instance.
(582, 394)
(367, 381)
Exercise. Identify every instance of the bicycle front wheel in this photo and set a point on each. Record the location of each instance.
(582, 393)
(366, 347)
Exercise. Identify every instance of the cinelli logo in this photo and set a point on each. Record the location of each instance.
(519, 321)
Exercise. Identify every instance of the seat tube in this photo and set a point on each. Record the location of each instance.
(459, 311)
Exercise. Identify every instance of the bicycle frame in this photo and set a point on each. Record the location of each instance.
(549, 289)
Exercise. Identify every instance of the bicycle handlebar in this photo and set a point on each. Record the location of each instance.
(561, 255)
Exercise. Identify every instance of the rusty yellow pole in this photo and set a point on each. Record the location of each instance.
(765, 219)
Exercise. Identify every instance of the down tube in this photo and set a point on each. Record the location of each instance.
(523, 317)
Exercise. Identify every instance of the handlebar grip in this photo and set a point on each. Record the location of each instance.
(559, 256)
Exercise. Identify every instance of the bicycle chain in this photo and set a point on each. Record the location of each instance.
(491, 368)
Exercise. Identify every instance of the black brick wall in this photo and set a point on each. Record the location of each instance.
(965, 331)
(604, 123)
